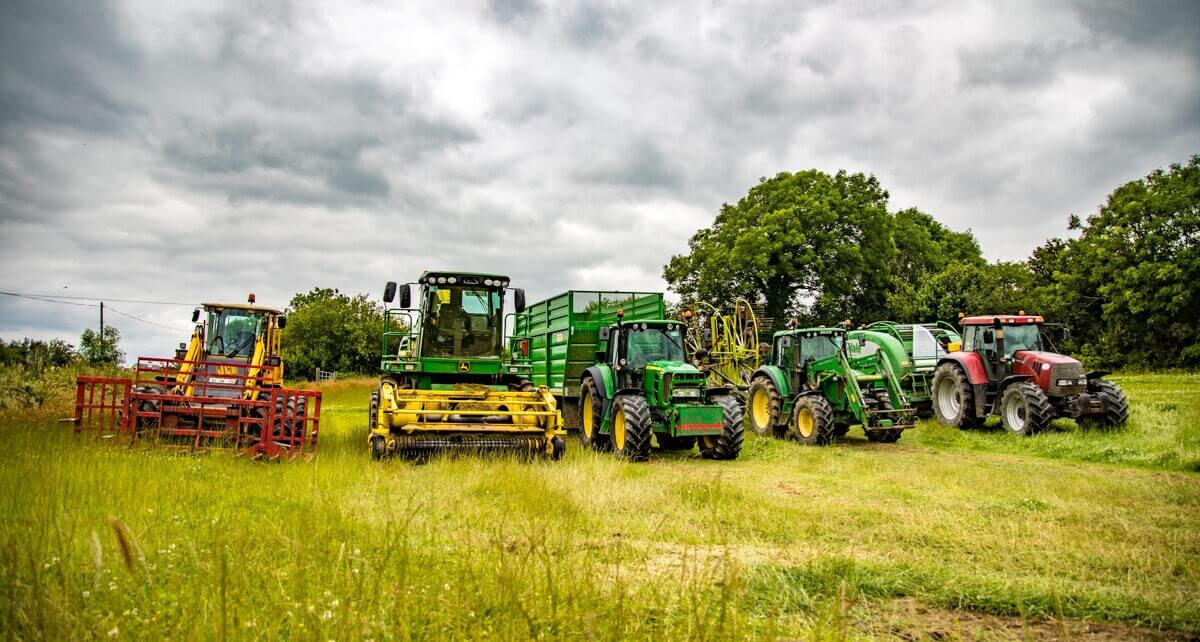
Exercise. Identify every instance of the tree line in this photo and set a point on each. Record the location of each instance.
(816, 248)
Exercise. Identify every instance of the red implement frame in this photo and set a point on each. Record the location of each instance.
(201, 409)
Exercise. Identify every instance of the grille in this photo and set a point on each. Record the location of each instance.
(1065, 371)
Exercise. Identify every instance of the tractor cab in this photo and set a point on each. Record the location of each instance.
(232, 331)
(1009, 344)
(795, 350)
(641, 352)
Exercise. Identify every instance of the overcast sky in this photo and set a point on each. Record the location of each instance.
(197, 151)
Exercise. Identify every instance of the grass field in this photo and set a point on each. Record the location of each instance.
(1070, 534)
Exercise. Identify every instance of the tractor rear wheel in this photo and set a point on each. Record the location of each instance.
(764, 404)
(1116, 404)
(631, 428)
(953, 397)
(884, 436)
(728, 444)
(591, 416)
(1024, 409)
(811, 421)
(378, 447)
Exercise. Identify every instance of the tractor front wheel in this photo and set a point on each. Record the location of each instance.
(631, 428)
(1024, 409)
(811, 421)
(953, 397)
(591, 416)
(728, 444)
(764, 403)
(1116, 404)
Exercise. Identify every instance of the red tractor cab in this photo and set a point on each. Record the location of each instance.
(1004, 368)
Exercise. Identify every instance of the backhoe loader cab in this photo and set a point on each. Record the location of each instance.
(447, 384)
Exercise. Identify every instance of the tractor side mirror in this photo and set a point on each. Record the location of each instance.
(195, 315)
(519, 300)
(281, 322)
(389, 292)
(406, 297)
(605, 333)
(989, 336)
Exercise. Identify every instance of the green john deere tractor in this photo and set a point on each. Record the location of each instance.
(812, 390)
(615, 358)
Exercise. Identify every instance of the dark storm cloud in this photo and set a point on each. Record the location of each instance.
(167, 150)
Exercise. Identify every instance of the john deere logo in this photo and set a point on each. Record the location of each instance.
(463, 366)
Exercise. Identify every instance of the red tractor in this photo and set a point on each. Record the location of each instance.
(1002, 369)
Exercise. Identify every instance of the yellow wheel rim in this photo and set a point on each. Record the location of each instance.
(588, 406)
(618, 429)
(760, 408)
(804, 422)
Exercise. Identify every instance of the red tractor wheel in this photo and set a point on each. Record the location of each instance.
(1024, 409)
(953, 397)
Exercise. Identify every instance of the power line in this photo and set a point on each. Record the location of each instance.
(109, 307)
(36, 297)
(91, 298)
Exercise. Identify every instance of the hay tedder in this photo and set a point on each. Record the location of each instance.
(448, 384)
(222, 390)
(725, 346)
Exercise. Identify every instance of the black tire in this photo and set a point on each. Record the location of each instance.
(925, 411)
(558, 448)
(667, 442)
(819, 420)
(727, 445)
(764, 405)
(883, 436)
(591, 418)
(1024, 409)
(632, 428)
(1116, 406)
(373, 411)
(378, 447)
(953, 397)
(298, 424)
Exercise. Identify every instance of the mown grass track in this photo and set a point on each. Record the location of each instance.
(975, 534)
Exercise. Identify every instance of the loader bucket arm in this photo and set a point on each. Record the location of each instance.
(195, 353)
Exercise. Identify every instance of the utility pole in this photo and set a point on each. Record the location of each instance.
(101, 329)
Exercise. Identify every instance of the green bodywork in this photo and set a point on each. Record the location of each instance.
(577, 335)
(411, 346)
(912, 349)
(816, 361)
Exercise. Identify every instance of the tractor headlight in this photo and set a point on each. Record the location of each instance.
(1045, 366)
(409, 366)
(512, 369)
(451, 280)
(1063, 383)
(686, 393)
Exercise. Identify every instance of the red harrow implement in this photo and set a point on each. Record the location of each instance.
(201, 405)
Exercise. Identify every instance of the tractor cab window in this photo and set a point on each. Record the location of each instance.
(462, 322)
(1021, 337)
(645, 344)
(820, 346)
(232, 332)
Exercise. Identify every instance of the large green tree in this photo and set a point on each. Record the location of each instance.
(1130, 283)
(331, 331)
(924, 248)
(809, 244)
(97, 349)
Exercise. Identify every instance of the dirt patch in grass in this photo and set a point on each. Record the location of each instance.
(909, 619)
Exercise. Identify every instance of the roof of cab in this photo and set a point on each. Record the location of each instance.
(240, 306)
(1009, 319)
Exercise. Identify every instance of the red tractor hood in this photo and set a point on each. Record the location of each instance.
(1031, 357)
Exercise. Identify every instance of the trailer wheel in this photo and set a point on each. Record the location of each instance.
(591, 415)
(1024, 409)
(883, 436)
(811, 421)
(764, 404)
(558, 448)
(727, 445)
(953, 397)
(632, 428)
(1116, 404)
